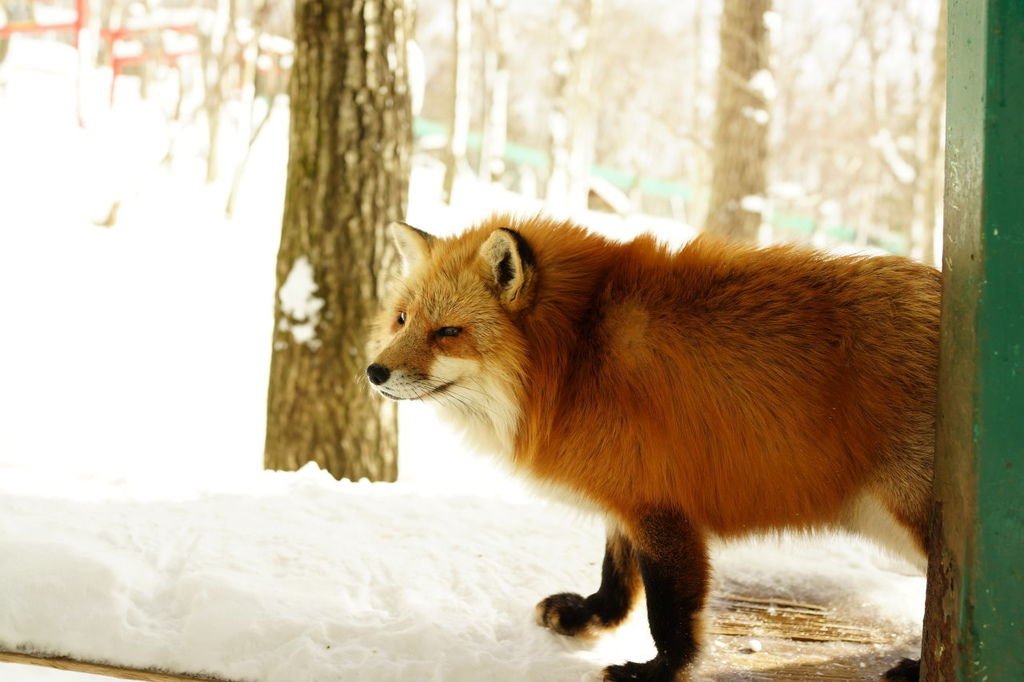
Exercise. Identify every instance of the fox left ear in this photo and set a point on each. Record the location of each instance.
(413, 245)
(510, 260)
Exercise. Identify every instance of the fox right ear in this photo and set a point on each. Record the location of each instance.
(413, 245)
(510, 260)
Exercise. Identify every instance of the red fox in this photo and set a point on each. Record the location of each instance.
(713, 391)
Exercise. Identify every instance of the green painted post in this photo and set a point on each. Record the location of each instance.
(974, 622)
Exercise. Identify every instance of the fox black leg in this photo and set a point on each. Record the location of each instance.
(573, 614)
(907, 670)
(674, 565)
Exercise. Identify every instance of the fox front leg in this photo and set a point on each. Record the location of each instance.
(673, 561)
(573, 614)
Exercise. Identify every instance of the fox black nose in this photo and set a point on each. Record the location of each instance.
(377, 374)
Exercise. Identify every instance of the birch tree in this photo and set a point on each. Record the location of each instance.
(740, 143)
(573, 118)
(458, 135)
(928, 218)
(496, 82)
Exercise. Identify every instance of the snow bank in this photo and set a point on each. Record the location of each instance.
(289, 577)
(296, 577)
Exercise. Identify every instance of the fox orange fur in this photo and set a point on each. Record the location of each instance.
(714, 391)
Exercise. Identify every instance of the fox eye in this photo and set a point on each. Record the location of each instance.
(449, 331)
(401, 318)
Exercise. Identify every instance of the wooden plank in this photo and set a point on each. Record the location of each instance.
(101, 668)
(787, 661)
(799, 641)
(759, 617)
(974, 620)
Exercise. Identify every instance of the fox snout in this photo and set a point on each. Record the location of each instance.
(399, 382)
(378, 374)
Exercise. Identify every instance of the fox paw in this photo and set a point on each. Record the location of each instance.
(654, 670)
(907, 670)
(566, 614)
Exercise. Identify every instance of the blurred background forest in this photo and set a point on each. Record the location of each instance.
(144, 152)
(573, 103)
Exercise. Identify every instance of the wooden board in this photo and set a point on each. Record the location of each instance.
(100, 669)
(799, 642)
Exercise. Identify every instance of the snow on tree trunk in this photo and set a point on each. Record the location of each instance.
(740, 150)
(458, 137)
(348, 171)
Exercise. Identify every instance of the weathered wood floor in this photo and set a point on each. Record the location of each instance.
(799, 642)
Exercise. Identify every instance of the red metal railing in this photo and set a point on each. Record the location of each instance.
(81, 15)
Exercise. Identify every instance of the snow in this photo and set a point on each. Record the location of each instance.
(763, 83)
(754, 203)
(758, 115)
(289, 577)
(298, 301)
(136, 524)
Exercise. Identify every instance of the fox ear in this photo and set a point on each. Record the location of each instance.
(510, 260)
(413, 245)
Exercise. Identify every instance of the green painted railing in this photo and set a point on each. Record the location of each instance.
(974, 625)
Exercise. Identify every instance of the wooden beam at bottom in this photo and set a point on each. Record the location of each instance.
(72, 665)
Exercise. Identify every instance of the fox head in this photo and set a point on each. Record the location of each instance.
(448, 332)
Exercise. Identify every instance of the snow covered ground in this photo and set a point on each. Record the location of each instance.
(289, 577)
(136, 525)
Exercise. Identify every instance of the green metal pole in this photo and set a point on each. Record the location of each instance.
(974, 621)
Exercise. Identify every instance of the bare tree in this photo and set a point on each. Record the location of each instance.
(838, 164)
(348, 172)
(928, 204)
(496, 82)
(740, 149)
(698, 170)
(250, 56)
(573, 118)
(855, 123)
(218, 52)
(458, 135)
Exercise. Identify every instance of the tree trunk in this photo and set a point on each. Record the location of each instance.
(219, 49)
(583, 127)
(348, 171)
(740, 152)
(573, 122)
(697, 163)
(930, 177)
(458, 137)
(496, 81)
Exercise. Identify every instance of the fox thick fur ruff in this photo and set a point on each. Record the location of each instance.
(714, 391)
